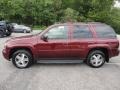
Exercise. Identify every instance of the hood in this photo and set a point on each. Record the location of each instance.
(23, 39)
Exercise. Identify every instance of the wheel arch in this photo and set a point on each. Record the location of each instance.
(20, 48)
(103, 49)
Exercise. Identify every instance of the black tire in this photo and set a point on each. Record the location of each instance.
(8, 34)
(30, 61)
(28, 32)
(91, 54)
(1, 34)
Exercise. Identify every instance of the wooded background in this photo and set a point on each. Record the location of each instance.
(46, 12)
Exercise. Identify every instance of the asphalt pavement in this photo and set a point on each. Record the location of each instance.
(58, 76)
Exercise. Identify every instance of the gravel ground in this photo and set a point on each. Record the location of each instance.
(58, 76)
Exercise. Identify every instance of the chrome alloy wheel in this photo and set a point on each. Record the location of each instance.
(21, 60)
(97, 59)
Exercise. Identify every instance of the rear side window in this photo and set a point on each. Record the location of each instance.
(104, 31)
(81, 31)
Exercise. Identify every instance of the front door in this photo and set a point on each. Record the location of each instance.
(56, 45)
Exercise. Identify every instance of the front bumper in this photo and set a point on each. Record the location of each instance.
(118, 52)
(5, 54)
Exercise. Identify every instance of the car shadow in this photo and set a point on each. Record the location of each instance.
(58, 64)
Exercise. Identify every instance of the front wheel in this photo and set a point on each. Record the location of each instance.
(96, 59)
(22, 59)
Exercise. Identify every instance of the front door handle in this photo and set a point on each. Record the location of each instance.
(64, 43)
(91, 42)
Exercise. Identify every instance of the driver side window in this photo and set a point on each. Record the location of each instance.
(58, 32)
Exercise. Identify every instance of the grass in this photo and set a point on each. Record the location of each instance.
(37, 27)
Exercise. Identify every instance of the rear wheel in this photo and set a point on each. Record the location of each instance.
(9, 33)
(22, 59)
(96, 59)
(1, 34)
(24, 31)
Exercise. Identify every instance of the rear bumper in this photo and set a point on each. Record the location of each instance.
(115, 52)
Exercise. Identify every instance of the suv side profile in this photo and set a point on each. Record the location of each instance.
(6, 28)
(94, 43)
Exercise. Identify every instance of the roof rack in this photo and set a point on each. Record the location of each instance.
(57, 23)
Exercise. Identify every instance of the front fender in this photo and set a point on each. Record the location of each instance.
(22, 46)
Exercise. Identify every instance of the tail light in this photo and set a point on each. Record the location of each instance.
(114, 44)
(117, 46)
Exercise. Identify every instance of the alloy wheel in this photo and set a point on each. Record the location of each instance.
(96, 59)
(21, 60)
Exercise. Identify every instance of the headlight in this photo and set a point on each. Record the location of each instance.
(5, 45)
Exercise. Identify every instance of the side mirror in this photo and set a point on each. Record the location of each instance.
(44, 38)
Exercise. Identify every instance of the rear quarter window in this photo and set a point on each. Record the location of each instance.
(104, 31)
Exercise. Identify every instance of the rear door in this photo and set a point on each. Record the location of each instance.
(81, 37)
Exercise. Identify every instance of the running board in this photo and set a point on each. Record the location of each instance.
(59, 61)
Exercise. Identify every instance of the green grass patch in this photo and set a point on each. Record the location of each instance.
(37, 27)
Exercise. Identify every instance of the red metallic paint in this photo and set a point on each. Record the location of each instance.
(70, 48)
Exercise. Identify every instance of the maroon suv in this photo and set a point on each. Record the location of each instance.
(94, 43)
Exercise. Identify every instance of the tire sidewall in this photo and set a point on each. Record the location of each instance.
(1, 34)
(24, 31)
(93, 53)
(25, 52)
(9, 33)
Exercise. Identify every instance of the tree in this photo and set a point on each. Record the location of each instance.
(114, 19)
(47, 12)
(70, 15)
